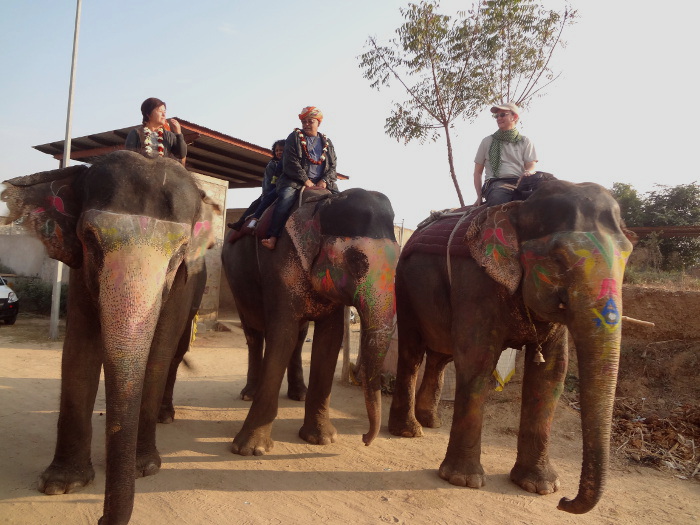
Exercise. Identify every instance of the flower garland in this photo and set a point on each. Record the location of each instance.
(148, 143)
(302, 138)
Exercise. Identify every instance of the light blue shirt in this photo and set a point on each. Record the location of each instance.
(314, 145)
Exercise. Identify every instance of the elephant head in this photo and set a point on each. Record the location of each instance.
(347, 246)
(129, 228)
(565, 250)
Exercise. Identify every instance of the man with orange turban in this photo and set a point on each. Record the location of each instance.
(308, 161)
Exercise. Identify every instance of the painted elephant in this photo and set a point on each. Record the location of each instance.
(134, 232)
(337, 250)
(526, 272)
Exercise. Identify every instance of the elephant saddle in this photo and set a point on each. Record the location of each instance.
(443, 231)
(259, 227)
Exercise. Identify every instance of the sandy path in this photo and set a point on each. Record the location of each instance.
(392, 481)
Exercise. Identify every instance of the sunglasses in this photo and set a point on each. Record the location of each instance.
(502, 114)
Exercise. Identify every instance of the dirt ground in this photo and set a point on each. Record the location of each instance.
(392, 481)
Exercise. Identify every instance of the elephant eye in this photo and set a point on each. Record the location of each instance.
(357, 262)
(561, 259)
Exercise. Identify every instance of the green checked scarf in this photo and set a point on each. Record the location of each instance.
(502, 135)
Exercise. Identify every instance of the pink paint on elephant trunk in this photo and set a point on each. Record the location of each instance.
(377, 318)
(375, 302)
(131, 287)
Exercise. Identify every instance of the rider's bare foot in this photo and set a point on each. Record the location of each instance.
(270, 243)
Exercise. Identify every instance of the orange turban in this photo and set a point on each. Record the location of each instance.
(311, 112)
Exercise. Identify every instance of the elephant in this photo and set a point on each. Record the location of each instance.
(515, 275)
(336, 250)
(134, 232)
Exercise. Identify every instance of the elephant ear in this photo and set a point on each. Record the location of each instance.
(49, 204)
(304, 228)
(203, 237)
(493, 243)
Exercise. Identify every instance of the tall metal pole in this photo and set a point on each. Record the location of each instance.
(65, 162)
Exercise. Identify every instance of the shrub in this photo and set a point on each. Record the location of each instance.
(679, 280)
(35, 296)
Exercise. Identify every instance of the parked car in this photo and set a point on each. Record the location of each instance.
(9, 303)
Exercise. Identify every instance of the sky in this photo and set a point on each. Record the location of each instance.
(621, 111)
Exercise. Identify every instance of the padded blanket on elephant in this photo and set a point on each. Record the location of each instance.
(434, 234)
(260, 229)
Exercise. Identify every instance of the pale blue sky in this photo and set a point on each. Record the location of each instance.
(623, 110)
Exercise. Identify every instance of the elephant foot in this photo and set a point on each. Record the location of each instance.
(57, 479)
(252, 444)
(536, 479)
(166, 414)
(404, 428)
(324, 434)
(248, 392)
(429, 418)
(297, 393)
(147, 464)
(471, 476)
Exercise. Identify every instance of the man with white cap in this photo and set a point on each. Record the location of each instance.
(506, 155)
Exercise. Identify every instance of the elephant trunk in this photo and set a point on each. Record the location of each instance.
(377, 312)
(374, 343)
(598, 360)
(131, 288)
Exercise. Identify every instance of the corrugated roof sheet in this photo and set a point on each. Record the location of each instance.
(209, 152)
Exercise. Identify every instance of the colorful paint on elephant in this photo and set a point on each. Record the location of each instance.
(601, 260)
(116, 230)
(366, 265)
(500, 241)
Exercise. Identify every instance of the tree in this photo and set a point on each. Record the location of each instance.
(675, 206)
(667, 206)
(446, 65)
(522, 37)
(631, 204)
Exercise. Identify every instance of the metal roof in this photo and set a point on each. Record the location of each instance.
(209, 152)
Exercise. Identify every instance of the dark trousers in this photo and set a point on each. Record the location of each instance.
(265, 202)
(499, 190)
(286, 197)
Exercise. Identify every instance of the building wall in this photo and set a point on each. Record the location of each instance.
(24, 254)
(208, 312)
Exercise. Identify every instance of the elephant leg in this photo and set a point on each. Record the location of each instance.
(166, 414)
(542, 386)
(296, 388)
(402, 418)
(476, 347)
(255, 340)
(328, 338)
(71, 468)
(428, 397)
(254, 438)
(462, 463)
(171, 341)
